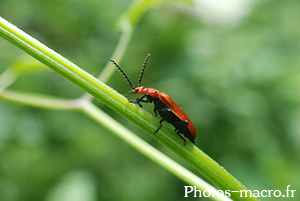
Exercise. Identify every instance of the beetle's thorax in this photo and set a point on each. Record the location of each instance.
(142, 90)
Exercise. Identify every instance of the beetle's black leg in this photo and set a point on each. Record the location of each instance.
(136, 102)
(183, 124)
(181, 137)
(141, 99)
(166, 117)
(160, 124)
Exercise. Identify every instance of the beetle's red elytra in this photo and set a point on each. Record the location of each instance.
(164, 105)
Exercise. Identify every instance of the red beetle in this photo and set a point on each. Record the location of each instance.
(164, 105)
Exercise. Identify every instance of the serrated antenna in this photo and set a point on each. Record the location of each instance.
(122, 73)
(143, 69)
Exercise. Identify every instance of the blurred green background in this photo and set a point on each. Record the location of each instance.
(233, 68)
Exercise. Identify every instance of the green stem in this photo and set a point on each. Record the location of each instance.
(39, 101)
(192, 154)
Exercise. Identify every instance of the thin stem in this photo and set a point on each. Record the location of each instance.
(39, 101)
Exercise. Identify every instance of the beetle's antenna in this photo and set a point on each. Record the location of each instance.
(122, 73)
(143, 69)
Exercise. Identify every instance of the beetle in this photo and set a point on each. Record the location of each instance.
(164, 105)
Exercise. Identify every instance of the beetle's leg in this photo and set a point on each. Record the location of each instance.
(141, 99)
(160, 124)
(181, 137)
(180, 123)
(166, 117)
